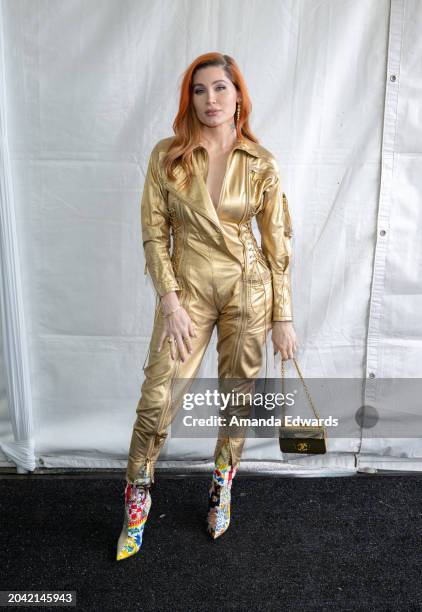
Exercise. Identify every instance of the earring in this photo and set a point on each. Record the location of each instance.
(238, 112)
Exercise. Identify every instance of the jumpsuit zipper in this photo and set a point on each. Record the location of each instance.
(223, 186)
(242, 302)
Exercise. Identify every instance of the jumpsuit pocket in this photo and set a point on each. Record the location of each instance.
(260, 293)
(260, 273)
(260, 302)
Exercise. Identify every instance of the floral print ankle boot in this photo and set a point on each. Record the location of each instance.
(137, 507)
(218, 517)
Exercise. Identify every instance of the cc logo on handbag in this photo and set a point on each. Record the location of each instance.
(302, 447)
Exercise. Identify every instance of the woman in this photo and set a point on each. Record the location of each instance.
(205, 185)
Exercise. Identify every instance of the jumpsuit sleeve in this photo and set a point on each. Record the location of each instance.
(156, 230)
(274, 224)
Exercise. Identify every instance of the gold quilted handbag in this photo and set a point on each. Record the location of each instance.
(305, 439)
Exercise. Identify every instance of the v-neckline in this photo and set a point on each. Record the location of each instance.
(223, 184)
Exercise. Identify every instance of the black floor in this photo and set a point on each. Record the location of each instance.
(303, 544)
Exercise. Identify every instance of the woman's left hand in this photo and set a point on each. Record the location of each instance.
(284, 339)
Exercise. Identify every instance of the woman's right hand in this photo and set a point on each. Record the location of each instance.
(179, 327)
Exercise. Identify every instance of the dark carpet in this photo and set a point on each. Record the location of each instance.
(346, 543)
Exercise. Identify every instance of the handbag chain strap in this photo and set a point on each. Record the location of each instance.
(304, 384)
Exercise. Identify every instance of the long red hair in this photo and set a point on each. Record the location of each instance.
(186, 125)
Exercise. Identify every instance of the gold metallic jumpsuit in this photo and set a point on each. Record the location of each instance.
(221, 275)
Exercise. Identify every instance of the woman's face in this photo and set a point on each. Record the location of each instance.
(213, 90)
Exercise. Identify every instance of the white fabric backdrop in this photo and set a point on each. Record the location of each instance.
(89, 88)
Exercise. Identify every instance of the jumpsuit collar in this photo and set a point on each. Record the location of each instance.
(241, 143)
(196, 196)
